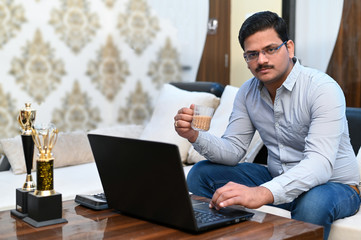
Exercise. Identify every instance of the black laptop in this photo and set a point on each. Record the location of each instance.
(145, 179)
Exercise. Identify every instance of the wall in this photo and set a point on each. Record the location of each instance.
(240, 10)
(85, 64)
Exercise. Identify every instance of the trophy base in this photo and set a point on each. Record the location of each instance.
(18, 214)
(21, 210)
(36, 224)
(44, 210)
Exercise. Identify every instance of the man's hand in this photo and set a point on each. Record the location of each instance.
(237, 194)
(182, 124)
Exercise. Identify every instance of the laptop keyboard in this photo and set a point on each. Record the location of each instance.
(207, 217)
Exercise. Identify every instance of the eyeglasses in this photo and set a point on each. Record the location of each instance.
(253, 56)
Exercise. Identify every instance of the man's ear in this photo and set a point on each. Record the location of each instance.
(291, 48)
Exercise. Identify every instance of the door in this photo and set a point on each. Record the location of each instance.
(345, 62)
(215, 61)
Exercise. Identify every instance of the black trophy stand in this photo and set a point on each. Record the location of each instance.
(44, 210)
(21, 210)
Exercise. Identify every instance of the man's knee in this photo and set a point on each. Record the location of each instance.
(197, 179)
(244, 173)
(322, 205)
(314, 204)
(197, 172)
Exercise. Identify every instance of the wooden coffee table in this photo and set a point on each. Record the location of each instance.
(84, 223)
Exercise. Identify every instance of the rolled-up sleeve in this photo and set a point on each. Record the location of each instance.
(232, 146)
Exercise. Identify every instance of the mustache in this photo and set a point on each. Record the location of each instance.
(266, 66)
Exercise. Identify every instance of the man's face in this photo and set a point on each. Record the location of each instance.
(270, 69)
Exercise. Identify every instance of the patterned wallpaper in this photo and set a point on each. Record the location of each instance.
(87, 64)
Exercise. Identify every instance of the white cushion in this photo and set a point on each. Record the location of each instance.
(71, 148)
(275, 211)
(13, 150)
(126, 131)
(346, 228)
(171, 99)
(219, 124)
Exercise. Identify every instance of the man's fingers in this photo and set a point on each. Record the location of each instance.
(221, 195)
(185, 110)
(227, 195)
(225, 188)
(229, 201)
(184, 114)
(182, 120)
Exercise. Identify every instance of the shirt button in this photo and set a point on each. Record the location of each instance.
(281, 145)
(277, 125)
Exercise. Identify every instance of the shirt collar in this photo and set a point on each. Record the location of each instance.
(290, 81)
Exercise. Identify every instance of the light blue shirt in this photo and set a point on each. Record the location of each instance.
(305, 131)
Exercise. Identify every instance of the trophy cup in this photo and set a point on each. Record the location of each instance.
(44, 204)
(26, 120)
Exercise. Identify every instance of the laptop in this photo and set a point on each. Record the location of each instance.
(145, 179)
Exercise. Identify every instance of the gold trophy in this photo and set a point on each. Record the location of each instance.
(45, 136)
(26, 120)
(44, 204)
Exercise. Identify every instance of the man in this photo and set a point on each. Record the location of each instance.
(300, 115)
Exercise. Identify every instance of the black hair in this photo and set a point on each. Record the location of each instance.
(261, 21)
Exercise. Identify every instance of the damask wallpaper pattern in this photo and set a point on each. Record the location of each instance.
(36, 71)
(137, 25)
(75, 23)
(76, 111)
(84, 64)
(108, 72)
(166, 68)
(12, 17)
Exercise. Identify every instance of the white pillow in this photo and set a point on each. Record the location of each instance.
(219, 124)
(13, 149)
(127, 131)
(160, 127)
(71, 148)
